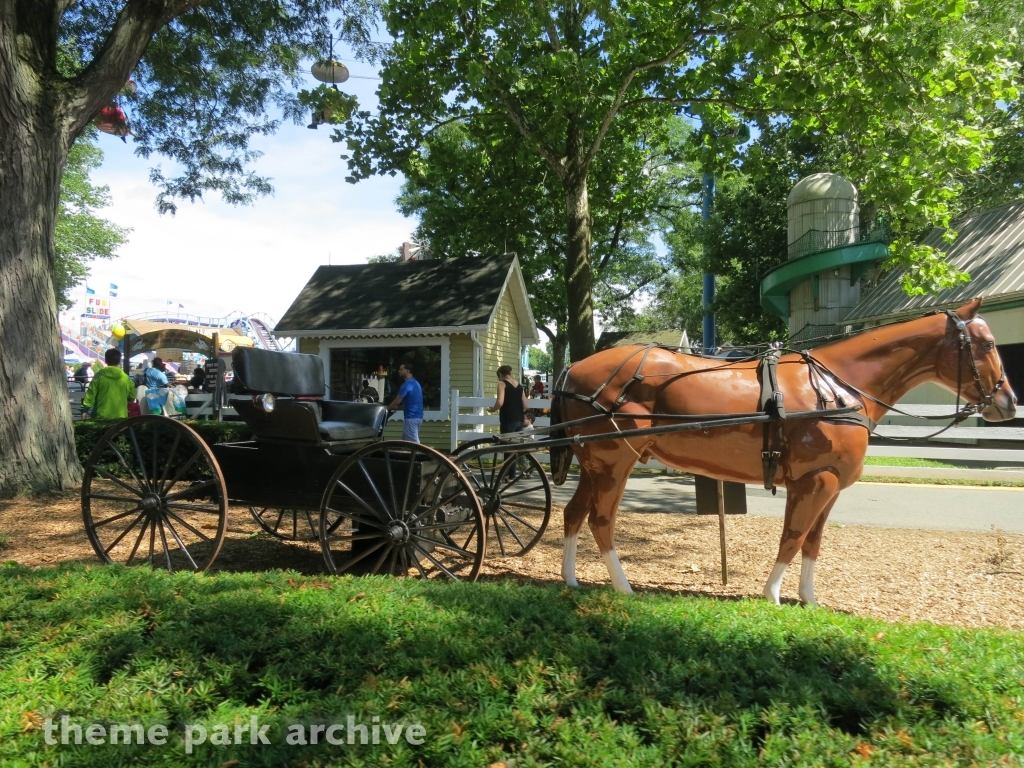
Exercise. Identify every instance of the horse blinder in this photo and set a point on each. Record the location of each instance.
(987, 398)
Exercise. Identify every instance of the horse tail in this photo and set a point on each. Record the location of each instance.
(561, 458)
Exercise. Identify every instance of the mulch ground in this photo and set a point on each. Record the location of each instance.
(957, 578)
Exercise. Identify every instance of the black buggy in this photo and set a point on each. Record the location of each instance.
(317, 470)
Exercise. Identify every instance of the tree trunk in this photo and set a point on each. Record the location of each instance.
(579, 278)
(558, 347)
(37, 448)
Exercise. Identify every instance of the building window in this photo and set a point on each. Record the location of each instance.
(350, 366)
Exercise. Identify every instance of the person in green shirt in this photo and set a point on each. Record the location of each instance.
(110, 390)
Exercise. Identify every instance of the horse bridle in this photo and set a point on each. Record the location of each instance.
(987, 398)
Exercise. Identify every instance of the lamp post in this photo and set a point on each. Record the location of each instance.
(706, 203)
(740, 134)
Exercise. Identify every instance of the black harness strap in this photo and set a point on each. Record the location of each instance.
(771, 403)
(592, 399)
(637, 376)
(618, 368)
(966, 348)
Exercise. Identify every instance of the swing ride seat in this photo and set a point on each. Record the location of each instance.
(300, 412)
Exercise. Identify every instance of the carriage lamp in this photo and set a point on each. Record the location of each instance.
(266, 402)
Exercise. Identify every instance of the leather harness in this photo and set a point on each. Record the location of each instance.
(772, 399)
(772, 403)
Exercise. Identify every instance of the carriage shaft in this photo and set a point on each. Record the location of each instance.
(715, 421)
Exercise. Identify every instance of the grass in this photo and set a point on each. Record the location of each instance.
(903, 461)
(5, 539)
(943, 481)
(493, 671)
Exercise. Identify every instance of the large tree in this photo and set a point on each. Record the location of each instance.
(207, 73)
(487, 193)
(571, 75)
(1001, 175)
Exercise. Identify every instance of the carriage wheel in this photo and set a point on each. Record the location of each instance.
(153, 492)
(402, 508)
(515, 496)
(287, 524)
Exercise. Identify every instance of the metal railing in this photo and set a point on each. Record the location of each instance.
(817, 240)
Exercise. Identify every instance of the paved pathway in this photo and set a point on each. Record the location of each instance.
(952, 508)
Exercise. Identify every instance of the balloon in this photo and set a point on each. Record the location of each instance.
(117, 331)
(112, 120)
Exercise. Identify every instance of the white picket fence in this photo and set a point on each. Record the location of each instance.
(470, 425)
(939, 448)
(478, 418)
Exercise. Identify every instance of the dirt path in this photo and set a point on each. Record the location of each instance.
(967, 579)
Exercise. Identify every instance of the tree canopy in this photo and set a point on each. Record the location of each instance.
(488, 194)
(574, 78)
(208, 76)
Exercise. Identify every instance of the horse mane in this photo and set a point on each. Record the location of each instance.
(560, 458)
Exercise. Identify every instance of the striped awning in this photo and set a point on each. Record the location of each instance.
(989, 247)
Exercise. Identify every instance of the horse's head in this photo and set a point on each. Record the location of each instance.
(970, 363)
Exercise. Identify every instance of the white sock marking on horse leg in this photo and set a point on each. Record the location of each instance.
(619, 580)
(773, 587)
(569, 560)
(807, 580)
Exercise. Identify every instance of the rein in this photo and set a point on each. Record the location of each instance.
(773, 412)
(960, 414)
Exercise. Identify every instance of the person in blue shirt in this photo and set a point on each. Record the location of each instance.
(410, 399)
(154, 375)
(155, 381)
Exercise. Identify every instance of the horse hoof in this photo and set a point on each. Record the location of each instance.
(772, 598)
(809, 602)
(571, 583)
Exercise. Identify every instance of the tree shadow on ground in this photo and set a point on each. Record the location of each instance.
(440, 653)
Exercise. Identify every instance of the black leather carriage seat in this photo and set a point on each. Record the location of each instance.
(351, 421)
(280, 373)
(290, 377)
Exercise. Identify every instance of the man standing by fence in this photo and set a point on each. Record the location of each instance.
(110, 391)
(410, 398)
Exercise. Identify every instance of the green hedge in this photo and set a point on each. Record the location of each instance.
(89, 431)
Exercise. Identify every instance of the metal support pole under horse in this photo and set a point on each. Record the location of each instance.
(721, 529)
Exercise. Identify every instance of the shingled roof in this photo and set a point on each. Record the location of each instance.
(609, 339)
(449, 295)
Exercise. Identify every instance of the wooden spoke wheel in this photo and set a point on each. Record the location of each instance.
(153, 492)
(515, 495)
(287, 524)
(403, 509)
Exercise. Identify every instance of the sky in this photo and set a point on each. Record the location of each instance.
(216, 258)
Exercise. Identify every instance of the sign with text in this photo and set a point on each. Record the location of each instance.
(97, 308)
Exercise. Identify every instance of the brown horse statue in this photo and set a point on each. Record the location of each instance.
(817, 458)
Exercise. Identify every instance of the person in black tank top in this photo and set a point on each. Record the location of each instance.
(511, 401)
(510, 404)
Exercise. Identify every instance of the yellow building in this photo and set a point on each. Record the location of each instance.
(454, 321)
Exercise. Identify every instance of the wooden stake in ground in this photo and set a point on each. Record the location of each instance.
(721, 529)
